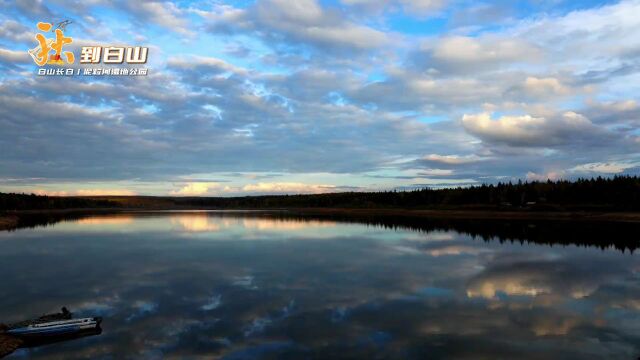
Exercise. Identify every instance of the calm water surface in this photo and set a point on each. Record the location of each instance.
(189, 285)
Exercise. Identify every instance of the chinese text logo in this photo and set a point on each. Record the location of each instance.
(42, 53)
(113, 55)
(49, 51)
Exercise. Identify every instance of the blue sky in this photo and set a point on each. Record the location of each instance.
(275, 96)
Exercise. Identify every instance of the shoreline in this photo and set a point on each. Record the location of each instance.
(482, 214)
(11, 220)
(8, 222)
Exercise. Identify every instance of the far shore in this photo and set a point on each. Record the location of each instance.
(11, 220)
(8, 222)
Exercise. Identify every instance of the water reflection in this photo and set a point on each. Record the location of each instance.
(619, 235)
(115, 220)
(265, 286)
(204, 222)
(195, 222)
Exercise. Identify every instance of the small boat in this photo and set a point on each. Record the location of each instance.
(46, 329)
(56, 328)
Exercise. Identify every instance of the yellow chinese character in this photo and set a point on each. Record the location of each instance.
(41, 54)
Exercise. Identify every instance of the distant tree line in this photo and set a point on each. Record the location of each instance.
(32, 202)
(620, 235)
(617, 193)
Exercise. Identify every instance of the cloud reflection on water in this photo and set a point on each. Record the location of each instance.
(345, 291)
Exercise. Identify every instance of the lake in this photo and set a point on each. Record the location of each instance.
(254, 285)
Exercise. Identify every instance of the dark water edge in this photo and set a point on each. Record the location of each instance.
(621, 235)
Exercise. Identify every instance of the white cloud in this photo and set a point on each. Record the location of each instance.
(12, 56)
(410, 7)
(601, 32)
(210, 63)
(625, 105)
(470, 55)
(469, 50)
(544, 87)
(86, 192)
(304, 22)
(162, 13)
(422, 6)
(306, 12)
(436, 172)
(16, 32)
(288, 187)
(96, 192)
(603, 167)
(624, 111)
(526, 130)
(452, 159)
(195, 189)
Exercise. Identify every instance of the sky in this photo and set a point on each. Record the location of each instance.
(309, 96)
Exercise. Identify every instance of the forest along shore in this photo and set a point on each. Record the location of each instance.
(596, 199)
(477, 214)
(18, 219)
